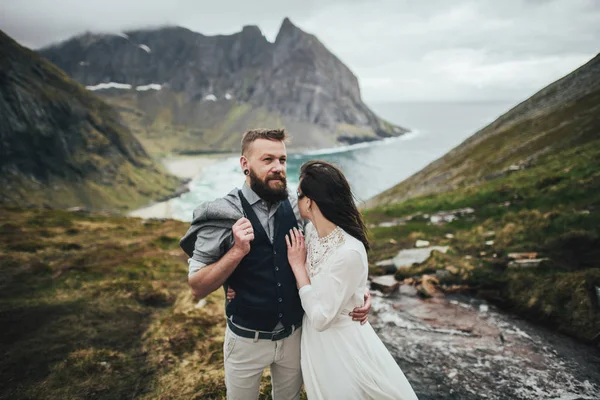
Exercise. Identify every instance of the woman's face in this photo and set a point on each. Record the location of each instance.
(302, 203)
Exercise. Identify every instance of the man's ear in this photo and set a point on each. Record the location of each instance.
(244, 164)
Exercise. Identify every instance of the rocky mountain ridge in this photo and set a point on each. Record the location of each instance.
(200, 90)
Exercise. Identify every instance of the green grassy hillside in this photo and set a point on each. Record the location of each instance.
(549, 205)
(562, 115)
(62, 146)
(96, 306)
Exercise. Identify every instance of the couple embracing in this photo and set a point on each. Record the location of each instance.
(295, 272)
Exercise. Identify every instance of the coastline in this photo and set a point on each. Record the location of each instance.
(189, 167)
(185, 167)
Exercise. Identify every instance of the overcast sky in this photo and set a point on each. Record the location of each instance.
(401, 50)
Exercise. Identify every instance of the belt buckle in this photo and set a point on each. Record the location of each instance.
(280, 335)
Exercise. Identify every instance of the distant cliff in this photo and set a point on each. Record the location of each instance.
(184, 91)
(62, 146)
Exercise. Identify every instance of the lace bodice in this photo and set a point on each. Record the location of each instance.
(320, 249)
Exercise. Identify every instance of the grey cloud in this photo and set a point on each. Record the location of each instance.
(399, 49)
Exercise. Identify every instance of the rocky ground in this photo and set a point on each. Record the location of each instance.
(456, 347)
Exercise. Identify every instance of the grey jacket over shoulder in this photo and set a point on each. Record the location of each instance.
(221, 213)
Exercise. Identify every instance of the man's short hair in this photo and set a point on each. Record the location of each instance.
(254, 134)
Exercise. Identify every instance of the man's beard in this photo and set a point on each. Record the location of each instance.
(264, 191)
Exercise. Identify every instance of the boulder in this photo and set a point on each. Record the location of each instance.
(442, 274)
(456, 289)
(527, 263)
(441, 218)
(387, 265)
(428, 287)
(452, 269)
(422, 243)
(385, 284)
(408, 257)
(522, 256)
(449, 216)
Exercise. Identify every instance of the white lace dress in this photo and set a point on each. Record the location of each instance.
(340, 358)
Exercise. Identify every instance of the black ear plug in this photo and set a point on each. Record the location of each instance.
(246, 172)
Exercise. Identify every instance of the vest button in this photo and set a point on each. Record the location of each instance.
(279, 284)
(280, 299)
(274, 251)
(276, 268)
(280, 315)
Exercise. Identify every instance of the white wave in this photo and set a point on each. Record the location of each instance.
(152, 86)
(343, 149)
(228, 96)
(145, 48)
(123, 35)
(109, 85)
(409, 135)
(214, 181)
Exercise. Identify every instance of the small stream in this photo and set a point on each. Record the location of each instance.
(457, 347)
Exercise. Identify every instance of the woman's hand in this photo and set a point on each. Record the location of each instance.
(230, 294)
(297, 257)
(296, 249)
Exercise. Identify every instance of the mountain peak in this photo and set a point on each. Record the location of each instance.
(287, 22)
(287, 29)
(251, 29)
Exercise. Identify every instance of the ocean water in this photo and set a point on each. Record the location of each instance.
(373, 167)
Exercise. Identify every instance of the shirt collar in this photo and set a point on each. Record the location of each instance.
(250, 195)
(252, 198)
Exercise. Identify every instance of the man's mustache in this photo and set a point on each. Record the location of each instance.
(276, 177)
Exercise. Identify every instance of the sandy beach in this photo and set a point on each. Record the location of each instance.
(187, 167)
(191, 166)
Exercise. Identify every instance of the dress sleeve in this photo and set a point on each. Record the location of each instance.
(323, 301)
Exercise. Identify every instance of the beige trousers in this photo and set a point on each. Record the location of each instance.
(245, 360)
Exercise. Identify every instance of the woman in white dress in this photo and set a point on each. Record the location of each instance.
(340, 359)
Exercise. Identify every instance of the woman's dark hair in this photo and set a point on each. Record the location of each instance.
(325, 184)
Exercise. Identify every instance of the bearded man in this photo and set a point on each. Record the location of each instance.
(238, 242)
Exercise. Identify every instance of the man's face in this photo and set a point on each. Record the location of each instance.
(267, 162)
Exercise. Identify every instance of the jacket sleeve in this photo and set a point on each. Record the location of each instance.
(211, 243)
(324, 300)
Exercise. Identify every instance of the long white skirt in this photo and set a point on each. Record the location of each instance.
(350, 362)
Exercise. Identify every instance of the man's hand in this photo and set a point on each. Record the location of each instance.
(208, 279)
(362, 313)
(243, 234)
